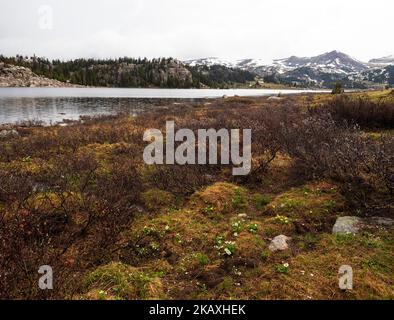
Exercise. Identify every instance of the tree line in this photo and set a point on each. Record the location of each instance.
(131, 72)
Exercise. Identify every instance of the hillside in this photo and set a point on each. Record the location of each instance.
(220, 76)
(127, 72)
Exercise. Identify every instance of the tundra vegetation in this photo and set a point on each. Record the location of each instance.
(80, 199)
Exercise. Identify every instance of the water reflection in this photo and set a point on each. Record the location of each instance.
(53, 105)
(56, 110)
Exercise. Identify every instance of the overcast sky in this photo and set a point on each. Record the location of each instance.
(265, 29)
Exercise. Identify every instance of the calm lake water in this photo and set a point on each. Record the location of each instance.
(54, 105)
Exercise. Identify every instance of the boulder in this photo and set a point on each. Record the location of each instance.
(353, 225)
(279, 243)
(347, 225)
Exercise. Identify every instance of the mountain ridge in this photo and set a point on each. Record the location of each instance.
(322, 70)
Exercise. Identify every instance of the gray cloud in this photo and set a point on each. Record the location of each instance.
(185, 29)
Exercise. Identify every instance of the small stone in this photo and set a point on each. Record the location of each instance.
(279, 243)
(274, 98)
(347, 225)
(138, 208)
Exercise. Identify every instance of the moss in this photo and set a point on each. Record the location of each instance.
(123, 282)
(155, 198)
(312, 207)
(249, 246)
(221, 197)
(309, 241)
(260, 201)
(101, 150)
(105, 154)
(160, 266)
(289, 204)
(226, 285)
(27, 165)
(180, 234)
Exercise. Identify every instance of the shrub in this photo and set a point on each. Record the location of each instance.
(338, 88)
(324, 148)
(362, 111)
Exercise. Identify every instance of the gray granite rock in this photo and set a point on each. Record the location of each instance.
(279, 243)
(353, 225)
(347, 225)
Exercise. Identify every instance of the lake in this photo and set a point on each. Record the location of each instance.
(55, 105)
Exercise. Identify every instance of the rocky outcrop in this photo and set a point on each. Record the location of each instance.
(353, 225)
(16, 76)
(174, 71)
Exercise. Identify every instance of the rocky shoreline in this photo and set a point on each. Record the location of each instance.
(16, 76)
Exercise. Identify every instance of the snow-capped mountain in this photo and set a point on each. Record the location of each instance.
(330, 62)
(321, 70)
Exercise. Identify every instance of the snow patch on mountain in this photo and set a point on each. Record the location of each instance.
(210, 61)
